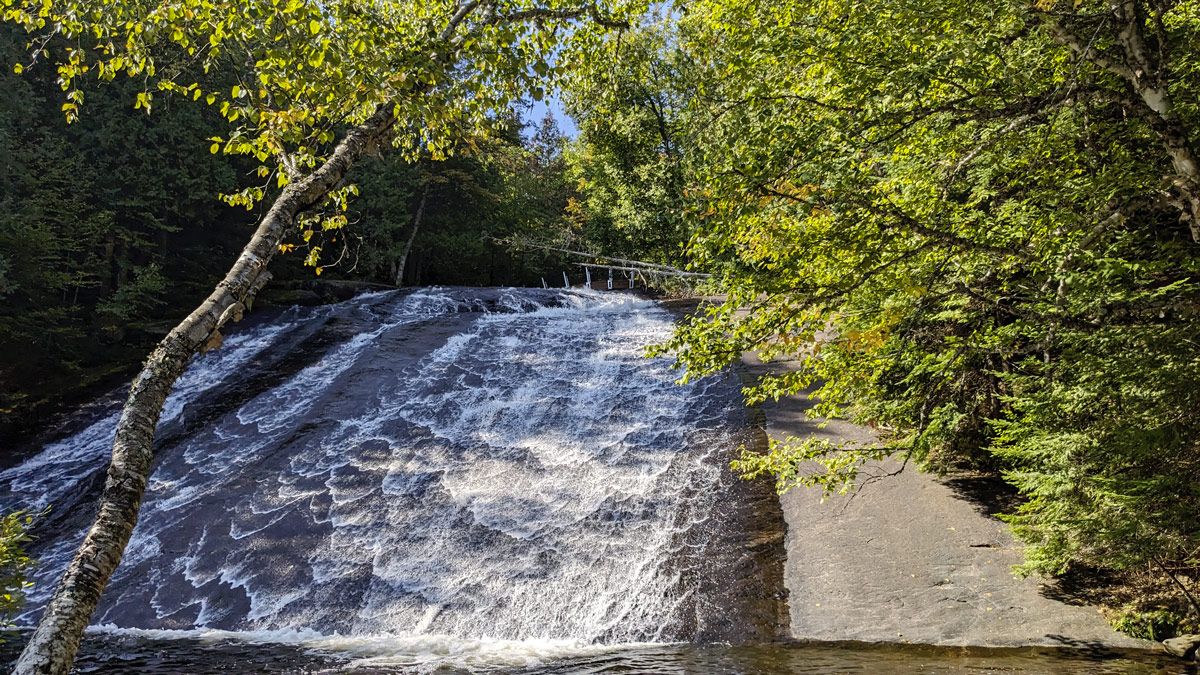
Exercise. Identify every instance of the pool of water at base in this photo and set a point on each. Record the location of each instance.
(221, 653)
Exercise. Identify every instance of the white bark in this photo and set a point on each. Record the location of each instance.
(1139, 66)
(411, 237)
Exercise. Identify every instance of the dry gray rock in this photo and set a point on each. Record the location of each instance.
(913, 558)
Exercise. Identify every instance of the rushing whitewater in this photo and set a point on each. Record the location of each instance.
(480, 464)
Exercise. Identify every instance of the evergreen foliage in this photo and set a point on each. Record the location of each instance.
(106, 229)
(112, 227)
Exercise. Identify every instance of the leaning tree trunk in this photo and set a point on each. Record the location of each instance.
(408, 244)
(54, 643)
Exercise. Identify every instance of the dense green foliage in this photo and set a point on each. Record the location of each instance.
(628, 159)
(111, 228)
(105, 228)
(972, 225)
(14, 563)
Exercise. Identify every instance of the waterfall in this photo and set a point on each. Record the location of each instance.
(463, 463)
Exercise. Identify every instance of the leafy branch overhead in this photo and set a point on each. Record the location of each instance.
(974, 226)
(435, 71)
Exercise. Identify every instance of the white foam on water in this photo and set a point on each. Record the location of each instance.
(55, 471)
(522, 486)
(425, 653)
(555, 462)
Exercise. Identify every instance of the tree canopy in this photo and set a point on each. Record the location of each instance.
(975, 225)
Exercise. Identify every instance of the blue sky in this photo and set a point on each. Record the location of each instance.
(554, 105)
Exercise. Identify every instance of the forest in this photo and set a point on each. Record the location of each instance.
(974, 225)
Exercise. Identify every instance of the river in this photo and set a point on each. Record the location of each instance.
(448, 479)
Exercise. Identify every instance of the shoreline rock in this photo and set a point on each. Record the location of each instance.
(910, 558)
(1184, 646)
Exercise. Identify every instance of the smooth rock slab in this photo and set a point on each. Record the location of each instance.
(911, 558)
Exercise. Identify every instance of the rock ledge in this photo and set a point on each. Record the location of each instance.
(911, 558)
(1184, 646)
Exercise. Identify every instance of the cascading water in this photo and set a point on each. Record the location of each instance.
(437, 467)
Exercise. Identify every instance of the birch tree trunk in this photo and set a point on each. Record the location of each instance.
(1141, 65)
(54, 643)
(408, 244)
